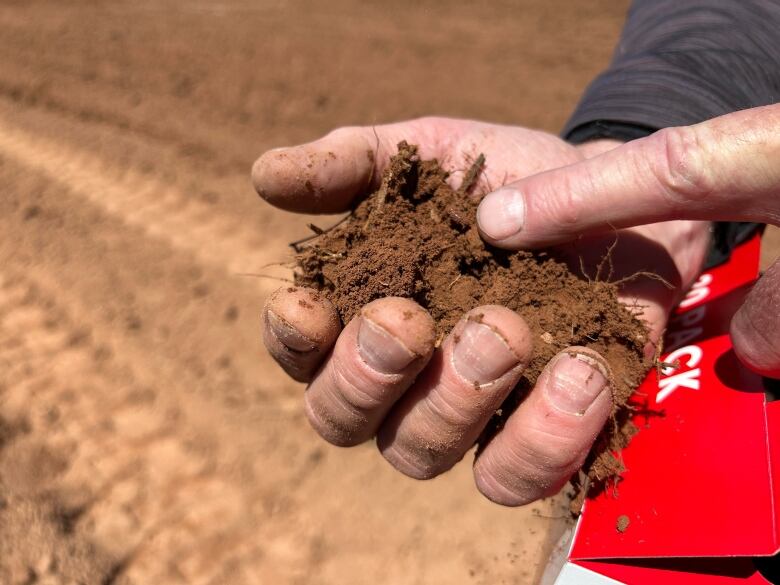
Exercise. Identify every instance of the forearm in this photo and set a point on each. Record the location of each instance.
(681, 62)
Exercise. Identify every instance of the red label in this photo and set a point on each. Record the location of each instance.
(698, 479)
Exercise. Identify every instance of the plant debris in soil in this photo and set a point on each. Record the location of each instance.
(416, 237)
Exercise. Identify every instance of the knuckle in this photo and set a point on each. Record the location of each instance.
(680, 172)
(516, 474)
(546, 453)
(356, 392)
(341, 408)
(504, 483)
(559, 203)
(431, 450)
(343, 429)
(449, 411)
(418, 465)
(423, 449)
(494, 488)
(414, 457)
(553, 457)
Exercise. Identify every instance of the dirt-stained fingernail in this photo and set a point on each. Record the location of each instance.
(501, 214)
(287, 334)
(576, 380)
(381, 350)
(480, 354)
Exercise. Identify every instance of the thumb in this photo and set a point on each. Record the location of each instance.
(755, 330)
(727, 168)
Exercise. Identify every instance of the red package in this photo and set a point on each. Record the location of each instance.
(701, 489)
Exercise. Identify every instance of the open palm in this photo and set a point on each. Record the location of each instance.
(381, 375)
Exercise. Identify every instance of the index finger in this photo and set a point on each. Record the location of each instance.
(727, 168)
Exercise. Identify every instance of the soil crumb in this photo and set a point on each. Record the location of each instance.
(416, 237)
(622, 523)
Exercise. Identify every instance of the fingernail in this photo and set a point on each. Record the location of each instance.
(501, 214)
(382, 351)
(575, 382)
(480, 354)
(287, 334)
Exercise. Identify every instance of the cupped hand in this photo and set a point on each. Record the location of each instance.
(726, 169)
(381, 375)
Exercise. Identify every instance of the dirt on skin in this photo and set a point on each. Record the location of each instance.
(416, 237)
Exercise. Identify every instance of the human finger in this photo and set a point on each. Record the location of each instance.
(548, 437)
(441, 416)
(324, 176)
(755, 328)
(376, 358)
(299, 328)
(727, 168)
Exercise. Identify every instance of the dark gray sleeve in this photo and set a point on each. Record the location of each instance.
(683, 61)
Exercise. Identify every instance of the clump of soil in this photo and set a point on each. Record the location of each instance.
(416, 237)
(621, 525)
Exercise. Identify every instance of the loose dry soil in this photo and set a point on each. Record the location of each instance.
(146, 437)
(416, 237)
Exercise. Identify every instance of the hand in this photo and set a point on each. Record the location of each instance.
(381, 376)
(727, 168)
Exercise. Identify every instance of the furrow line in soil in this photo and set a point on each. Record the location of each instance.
(138, 425)
(160, 210)
(146, 484)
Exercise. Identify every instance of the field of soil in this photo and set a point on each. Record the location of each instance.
(145, 436)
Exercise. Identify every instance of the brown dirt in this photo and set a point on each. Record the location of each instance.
(150, 428)
(622, 523)
(416, 237)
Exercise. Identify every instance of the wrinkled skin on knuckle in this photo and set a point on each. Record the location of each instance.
(680, 166)
(340, 409)
(340, 429)
(424, 442)
(506, 477)
(420, 457)
(562, 210)
(415, 466)
(449, 410)
(435, 451)
(522, 472)
(551, 454)
(352, 385)
(498, 491)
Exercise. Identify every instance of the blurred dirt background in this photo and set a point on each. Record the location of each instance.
(145, 437)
